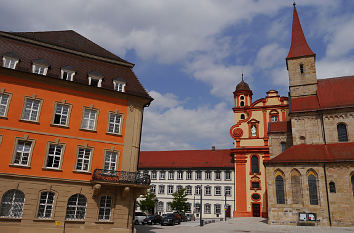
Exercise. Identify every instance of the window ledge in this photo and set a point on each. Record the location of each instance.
(114, 134)
(89, 130)
(104, 222)
(52, 169)
(10, 219)
(21, 166)
(82, 172)
(43, 220)
(4, 117)
(29, 121)
(78, 221)
(60, 126)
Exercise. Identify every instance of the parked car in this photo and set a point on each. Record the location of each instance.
(181, 216)
(152, 219)
(139, 217)
(171, 219)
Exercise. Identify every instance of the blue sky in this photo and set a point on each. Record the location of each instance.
(190, 54)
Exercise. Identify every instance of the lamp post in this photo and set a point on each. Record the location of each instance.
(225, 206)
(200, 209)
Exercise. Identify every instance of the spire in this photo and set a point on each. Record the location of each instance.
(242, 86)
(299, 46)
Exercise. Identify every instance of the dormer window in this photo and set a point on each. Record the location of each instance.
(67, 73)
(40, 66)
(10, 60)
(301, 68)
(95, 79)
(119, 85)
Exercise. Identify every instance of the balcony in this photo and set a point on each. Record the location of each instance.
(120, 177)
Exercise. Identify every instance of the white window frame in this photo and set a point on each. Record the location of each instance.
(76, 207)
(217, 208)
(217, 190)
(45, 205)
(15, 204)
(153, 188)
(54, 155)
(168, 207)
(31, 110)
(161, 189)
(171, 175)
(179, 187)
(87, 121)
(207, 191)
(105, 206)
(189, 190)
(198, 175)
(18, 152)
(153, 175)
(207, 208)
(217, 175)
(39, 69)
(109, 163)
(179, 175)
(197, 190)
(82, 158)
(162, 175)
(189, 175)
(227, 175)
(115, 123)
(208, 175)
(99, 79)
(228, 190)
(70, 75)
(119, 86)
(61, 113)
(170, 189)
(5, 106)
(9, 62)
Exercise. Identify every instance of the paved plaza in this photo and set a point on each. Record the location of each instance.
(238, 225)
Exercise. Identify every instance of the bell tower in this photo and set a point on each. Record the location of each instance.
(300, 63)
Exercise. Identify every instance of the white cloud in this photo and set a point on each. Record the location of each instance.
(270, 55)
(180, 128)
(328, 68)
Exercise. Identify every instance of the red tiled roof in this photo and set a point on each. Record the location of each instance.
(316, 153)
(186, 159)
(279, 127)
(299, 46)
(331, 93)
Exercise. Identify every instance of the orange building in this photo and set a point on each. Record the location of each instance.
(252, 147)
(70, 124)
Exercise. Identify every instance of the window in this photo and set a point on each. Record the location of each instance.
(274, 118)
(279, 189)
(9, 62)
(168, 207)
(197, 207)
(242, 97)
(301, 66)
(296, 187)
(313, 190)
(208, 175)
(161, 189)
(255, 184)
(254, 165)
(207, 208)
(228, 191)
(207, 190)
(189, 190)
(83, 159)
(89, 119)
(67, 74)
(61, 114)
(31, 109)
(154, 175)
(242, 116)
(12, 203)
(189, 175)
(45, 207)
(242, 103)
(217, 175)
(197, 190)
(104, 212)
(95, 79)
(342, 132)
(114, 123)
(160, 205)
(179, 187)
(23, 152)
(189, 207)
(153, 188)
(217, 208)
(283, 146)
(162, 175)
(217, 191)
(76, 208)
(171, 175)
(332, 187)
(198, 175)
(227, 175)
(110, 160)
(119, 86)
(170, 189)
(4, 104)
(180, 175)
(55, 152)
(39, 69)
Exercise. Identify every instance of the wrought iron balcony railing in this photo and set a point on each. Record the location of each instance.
(121, 177)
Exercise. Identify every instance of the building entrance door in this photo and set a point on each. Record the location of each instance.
(228, 212)
(256, 210)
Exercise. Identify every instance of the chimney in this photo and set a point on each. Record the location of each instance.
(213, 148)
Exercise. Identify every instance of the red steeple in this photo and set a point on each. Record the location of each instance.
(299, 46)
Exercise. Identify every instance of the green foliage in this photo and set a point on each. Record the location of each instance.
(179, 202)
(148, 203)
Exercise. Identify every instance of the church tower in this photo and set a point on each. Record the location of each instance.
(301, 63)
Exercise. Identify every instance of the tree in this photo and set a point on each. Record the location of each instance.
(148, 203)
(179, 202)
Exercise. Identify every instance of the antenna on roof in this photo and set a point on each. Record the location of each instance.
(294, 4)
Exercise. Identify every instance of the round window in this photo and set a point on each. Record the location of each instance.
(256, 196)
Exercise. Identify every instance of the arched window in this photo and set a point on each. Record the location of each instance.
(279, 189)
(313, 190)
(242, 103)
(242, 116)
(332, 187)
(45, 207)
(12, 203)
(76, 208)
(296, 187)
(104, 212)
(254, 165)
(342, 132)
(301, 68)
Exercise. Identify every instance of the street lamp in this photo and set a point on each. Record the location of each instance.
(201, 204)
(225, 206)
